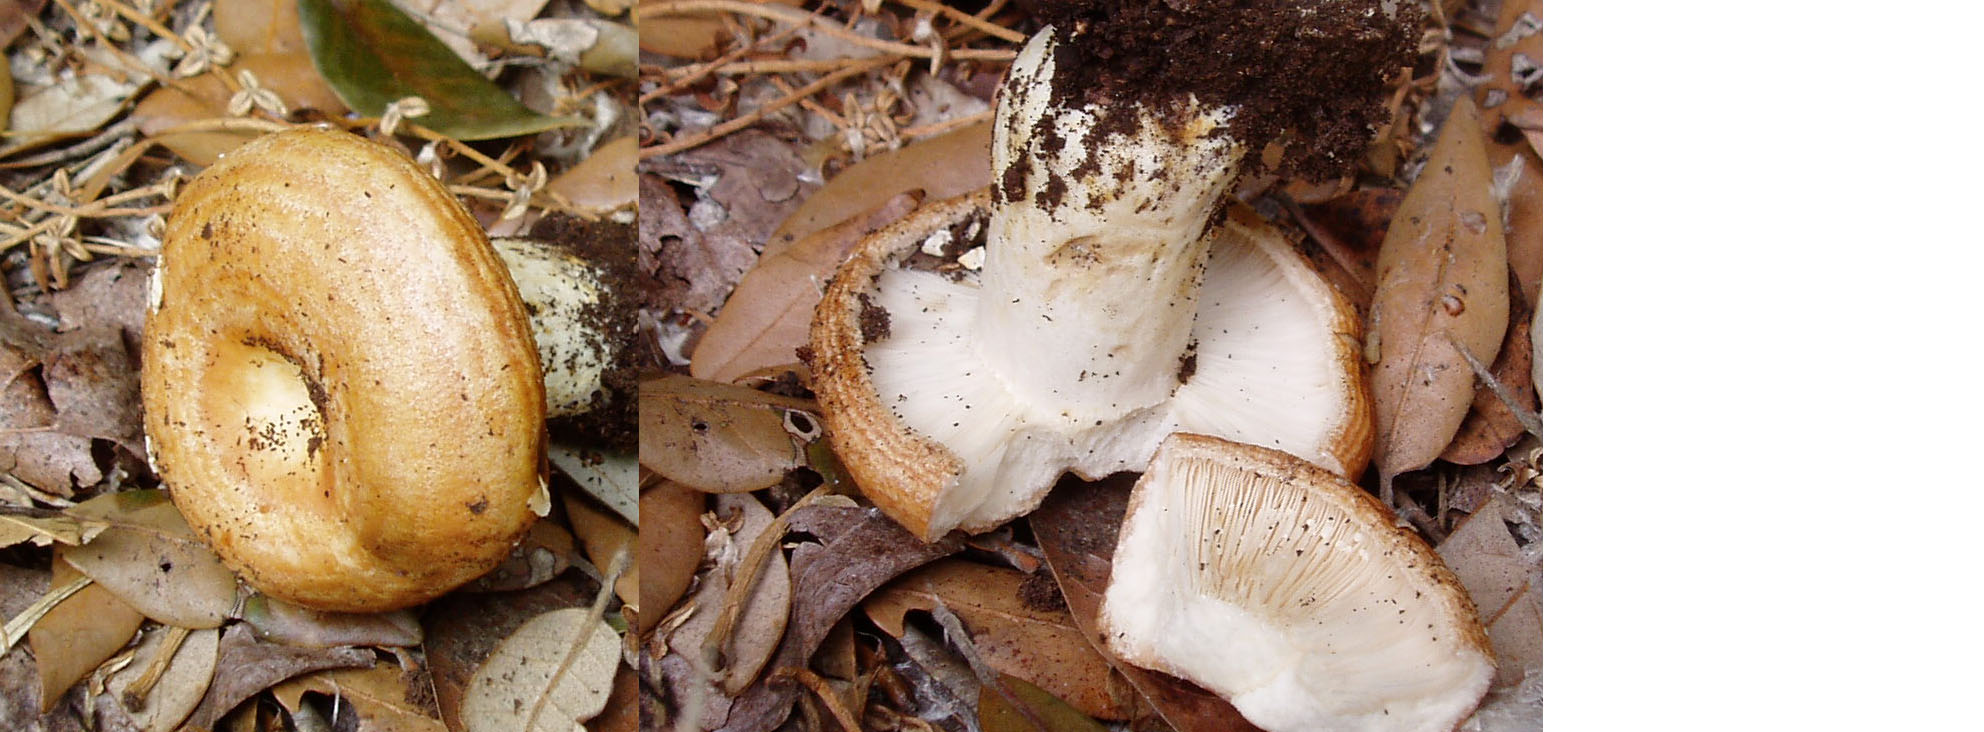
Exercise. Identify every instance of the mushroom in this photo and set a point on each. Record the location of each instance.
(1290, 592)
(569, 300)
(1113, 305)
(340, 384)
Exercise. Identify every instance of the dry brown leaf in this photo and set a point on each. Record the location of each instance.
(610, 476)
(289, 75)
(768, 316)
(1077, 531)
(381, 696)
(546, 551)
(1490, 427)
(761, 621)
(112, 292)
(859, 551)
(76, 106)
(1443, 278)
(1506, 585)
(292, 625)
(464, 628)
(1040, 645)
(258, 26)
(604, 181)
(92, 382)
(603, 535)
(998, 714)
(945, 166)
(78, 634)
(14, 15)
(528, 683)
(718, 438)
(1519, 111)
(671, 546)
(681, 36)
(696, 270)
(30, 447)
(46, 530)
(249, 666)
(150, 559)
(623, 706)
(178, 689)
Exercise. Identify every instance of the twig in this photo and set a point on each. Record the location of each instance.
(1531, 421)
(826, 693)
(680, 144)
(18, 627)
(938, 128)
(698, 72)
(796, 16)
(746, 578)
(134, 696)
(1330, 245)
(988, 27)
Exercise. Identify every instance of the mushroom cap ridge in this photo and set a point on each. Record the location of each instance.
(341, 389)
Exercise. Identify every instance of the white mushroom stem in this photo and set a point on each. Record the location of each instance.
(1092, 273)
(565, 296)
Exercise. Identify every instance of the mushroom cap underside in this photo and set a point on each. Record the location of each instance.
(938, 442)
(341, 389)
(1290, 592)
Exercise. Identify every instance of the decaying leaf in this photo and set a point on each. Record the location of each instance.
(858, 551)
(111, 291)
(72, 107)
(1077, 531)
(612, 477)
(1036, 710)
(1491, 427)
(150, 559)
(46, 530)
(1039, 644)
(719, 438)
(671, 546)
(463, 629)
(249, 666)
(551, 674)
(31, 448)
(290, 75)
(604, 181)
(1442, 285)
(281, 622)
(78, 634)
(761, 620)
(382, 697)
(603, 535)
(177, 689)
(592, 44)
(768, 316)
(546, 551)
(92, 382)
(1511, 99)
(374, 55)
(945, 166)
(258, 26)
(1506, 584)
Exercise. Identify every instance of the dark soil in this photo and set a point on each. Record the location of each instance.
(609, 247)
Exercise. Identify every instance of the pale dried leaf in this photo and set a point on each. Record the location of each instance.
(1506, 585)
(604, 181)
(381, 696)
(251, 666)
(45, 530)
(718, 438)
(946, 166)
(464, 629)
(1442, 280)
(767, 317)
(1041, 645)
(150, 559)
(526, 685)
(545, 552)
(671, 546)
(78, 634)
(178, 690)
(290, 75)
(611, 477)
(72, 107)
(604, 535)
(762, 619)
(293, 625)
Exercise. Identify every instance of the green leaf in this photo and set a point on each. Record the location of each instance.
(1042, 712)
(374, 55)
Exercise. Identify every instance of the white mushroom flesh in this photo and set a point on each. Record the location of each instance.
(563, 295)
(1294, 599)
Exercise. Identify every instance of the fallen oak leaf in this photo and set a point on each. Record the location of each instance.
(78, 634)
(381, 696)
(160, 691)
(150, 559)
(463, 629)
(1491, 426)
(858, 550)
(293, 625)
(671, 541)
(1077, 530)
(531, 683)
(254, 665)
(1505, 583)
(719, 438)
(1038, 710)
(1442, 282)
(945, 166)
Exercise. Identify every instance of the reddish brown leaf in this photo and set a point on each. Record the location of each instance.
(718, 438)
(1442, 285)
(671, 546)
(78, 634)
(1490, 427)
(945, 166)
(1077, 531)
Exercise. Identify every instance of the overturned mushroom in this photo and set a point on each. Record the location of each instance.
(1292, 593)
(1113, 306)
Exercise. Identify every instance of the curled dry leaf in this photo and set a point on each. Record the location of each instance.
(1442, 281)
(1506, 584)
(292, 625)
(1491, 427)
(178, 689)
(858, 551)
(383, 697)
(1077, 531)
(48, 459)
(671, 546)
(76, 635)
(527, 684)
(1041, 645)
(767, 316)
(719, 438)
(760, 621)
(1031, 709)
(150, 559)
(253, 665)
(945, 166)
(289, 75)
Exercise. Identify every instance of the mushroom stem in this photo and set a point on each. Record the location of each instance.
(567, 298)
(1097, 243)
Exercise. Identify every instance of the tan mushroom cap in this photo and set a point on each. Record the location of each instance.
(341, 389)
(1290, 592)
(934, 439)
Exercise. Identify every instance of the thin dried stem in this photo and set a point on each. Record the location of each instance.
(1531, 421)
(739, 593)
(796, 16)
(988, 27)
(825, 691)
(681, 144)
(134, 696)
